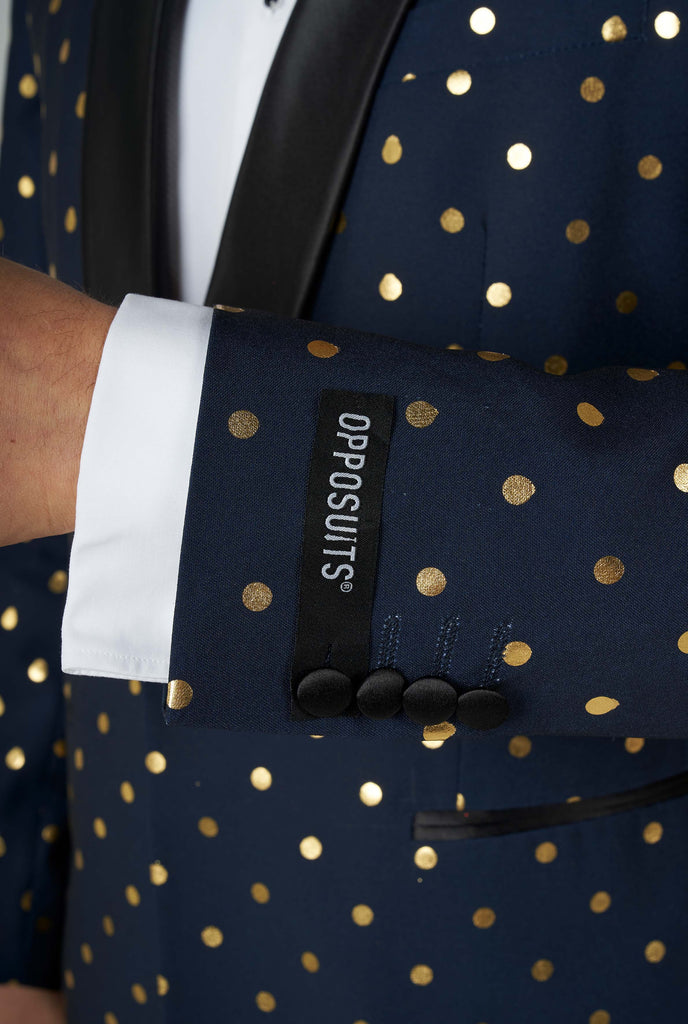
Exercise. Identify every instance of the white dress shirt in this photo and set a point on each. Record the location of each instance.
(136, 458)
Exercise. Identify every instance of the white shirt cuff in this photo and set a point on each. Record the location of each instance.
(132, 491)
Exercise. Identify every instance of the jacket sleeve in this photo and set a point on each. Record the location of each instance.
(516, 561)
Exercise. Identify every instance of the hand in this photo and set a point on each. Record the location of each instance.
(51, 341)
(22, 1004)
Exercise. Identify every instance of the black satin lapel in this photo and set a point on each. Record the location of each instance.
(301, 150)
(117, 182)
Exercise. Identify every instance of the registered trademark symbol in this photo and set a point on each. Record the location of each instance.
(346, 587)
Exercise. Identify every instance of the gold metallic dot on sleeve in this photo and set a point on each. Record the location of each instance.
(179, 694)
(676, 364)
(370, 794)
(542, 970)
(655, 951)
(653, 832)
(626, 302)
(482, 21)
(86, 953)
(139, 993)
(212, 936)
(452, 220)
(492, 357)
(208, 827)
(433, 744)
(639, 373)
(243, 424)
(110, 1018)
(519, 156)
(49, 833)
(57, 583)
(557, 365)
(229, 309)
(158, 873)
(421, 414)
(517, 490)
(431, 582)
(25, 901)
(440, 731)
(155, 762)
(134, 687)
(78, 758)
(54, 6)
(608, 569)
(600, 901)
(614, 29)
(409, 77)
(70, 220)
(599, 1017)
(15, 758)
(362, 915)
(310, 962)
(650, 167)
(498, 294)
(459, 82)
(589, 414)
(592, 89)
(103, 722)
(260, 892)
(261, 778)
(10, 616)
(69, 978)
(28, 86)
(577, 231)
(162, 984)
(683, 643)
(310, 847)
(546, 852)
(265, 1001)
(322, 349)
(59, 747)
(392, 150)
(256, 596)
(38, 670)
(425, 858)
(484, 917)
(79, 860)
(108, 925)
(421, 974)
(520, 746)
(63, 53)
(341, 223)
(80, 105)
(100, 828)
(667, 25)
(390, 287)
(517, 652)
(634, 744)
(601, 705)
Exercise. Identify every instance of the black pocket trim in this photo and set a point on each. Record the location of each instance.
(438, 825)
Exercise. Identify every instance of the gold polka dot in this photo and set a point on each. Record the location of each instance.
(3, 847)
(322, 349)
(28, 86)
(409, 77)
(243, 424)
(80, 105)
(26, 900)
(134, 687)
(683, 639)
(655, 951)
(653, 832)
(440, 731)
(542, 970)
(49, 833)
(676, 364)
(433, 744)
(421, 414)
(557, 365)
(517, 490)
(667, 25)
(599, 1017)
(546, 852)
(229, 309)
(79, 758)
(634, 744)
(266, 1002)
(108, 925)
(484, 917)
(70, 220)
(100, 828)
(589, 414)
(256, 596)
(54, 6)
(63, 53)
(431, 582)
(425, 858)
(52, 270)
(208, 827)
(155, 762)
(520, 746)
(608, 569)
(103, 723)
(162, 984)
(390, 287)
(310, 962)
(179, 694)
(10, 616)
(519, 156)
(15, 758)
(341, 223)
(132, 895)
(362, 915)
(601, 705)
(261, 778)
(614, 29)
(421, 974)
(458, 83)
(498, 294)
(260, 892)
(626, 302)
(57, 583)
(592, 89)
(650, 167)
(482, 21)
(392, 150)
(600, 901)
(59, 747)
(110, 1018)
(139, 993)
(577, 231)
(158, 873)
(517, 652)
(460, 802)
(38, 670)
(79, 860)
(212, 936)
(370, 794)
(639, 373)
(452, 221)
(310, 847)
(492, 357)
(86, 953)
(69, 978)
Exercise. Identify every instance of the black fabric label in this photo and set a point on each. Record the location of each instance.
(341, 534)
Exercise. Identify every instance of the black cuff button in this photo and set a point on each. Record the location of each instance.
(429, 701)
(324, 693)
(482, 709)
(379, 696)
